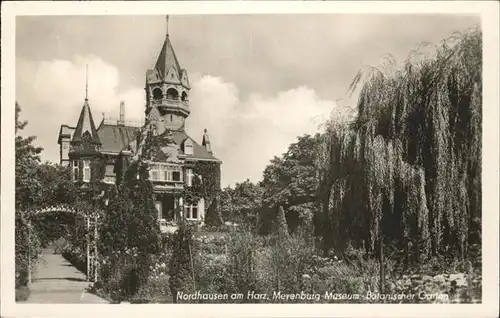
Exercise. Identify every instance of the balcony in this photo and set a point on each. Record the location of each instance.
(172, 104)
(167, 186)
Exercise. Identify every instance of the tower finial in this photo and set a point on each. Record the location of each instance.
(167, 24)
(87, 82)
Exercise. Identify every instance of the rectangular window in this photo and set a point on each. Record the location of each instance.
(176, 175)
(191, 212)
(110, 179)
(188, 149)
(110, 176)
(75, 170)
(194, 212)
(86, 171)
(189, 176)
(154, 173)
(168, 175)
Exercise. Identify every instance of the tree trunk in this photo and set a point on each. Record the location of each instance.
(382, 265)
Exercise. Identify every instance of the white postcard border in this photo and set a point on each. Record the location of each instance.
(489, 14)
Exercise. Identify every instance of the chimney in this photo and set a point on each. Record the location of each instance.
(122, 114)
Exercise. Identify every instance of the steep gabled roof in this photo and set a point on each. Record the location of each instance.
(85, 124)
(167, 60)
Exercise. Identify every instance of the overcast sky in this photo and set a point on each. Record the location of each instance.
(258, 81)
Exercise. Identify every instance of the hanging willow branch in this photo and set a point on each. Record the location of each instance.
(410, 162)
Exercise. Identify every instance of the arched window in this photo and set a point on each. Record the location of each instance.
(157, 93)
(184, 96)
(172, 94)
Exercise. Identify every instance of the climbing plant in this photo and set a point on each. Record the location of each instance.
(206, 186)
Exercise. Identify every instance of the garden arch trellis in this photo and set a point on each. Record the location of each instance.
(92, 224)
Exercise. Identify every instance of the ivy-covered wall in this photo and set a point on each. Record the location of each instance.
(205, 185)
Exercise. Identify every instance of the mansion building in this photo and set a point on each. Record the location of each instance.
(162, 141)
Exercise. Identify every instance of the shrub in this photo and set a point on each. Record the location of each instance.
(212, 275)
(59, 245)
(212, 243)
(22, 293)
(282, 265)
(156, 289)
(26, 252)
(129, 227)
(181, 264)
(124, 272)
(241, 261)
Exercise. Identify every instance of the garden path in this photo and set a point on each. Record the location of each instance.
(57, 281)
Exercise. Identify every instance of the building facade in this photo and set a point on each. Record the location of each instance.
(97, 152)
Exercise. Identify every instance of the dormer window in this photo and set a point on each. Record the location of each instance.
(188, 147)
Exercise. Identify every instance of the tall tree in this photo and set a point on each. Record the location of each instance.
(292, 181)
(407, 171)
(27, 158)
(28, 194)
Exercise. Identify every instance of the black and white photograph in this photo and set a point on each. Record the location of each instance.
(182, 158)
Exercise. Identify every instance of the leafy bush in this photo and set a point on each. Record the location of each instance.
(281, 266)
(212, 243)
(22, 293)
(129, 234)
(156, 289)
(181, 265)
(59, 245)
(27, 250)
(123, 273)
(241, 261)
(76, 256)
(212, 274)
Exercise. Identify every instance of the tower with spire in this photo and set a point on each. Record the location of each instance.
(101, 153)
(80, 145)
(167, 91)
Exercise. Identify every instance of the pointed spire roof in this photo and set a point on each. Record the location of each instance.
(85, 121)
(85, 124)
(167, 58)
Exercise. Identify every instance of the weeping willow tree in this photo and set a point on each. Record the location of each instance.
(407, 168)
